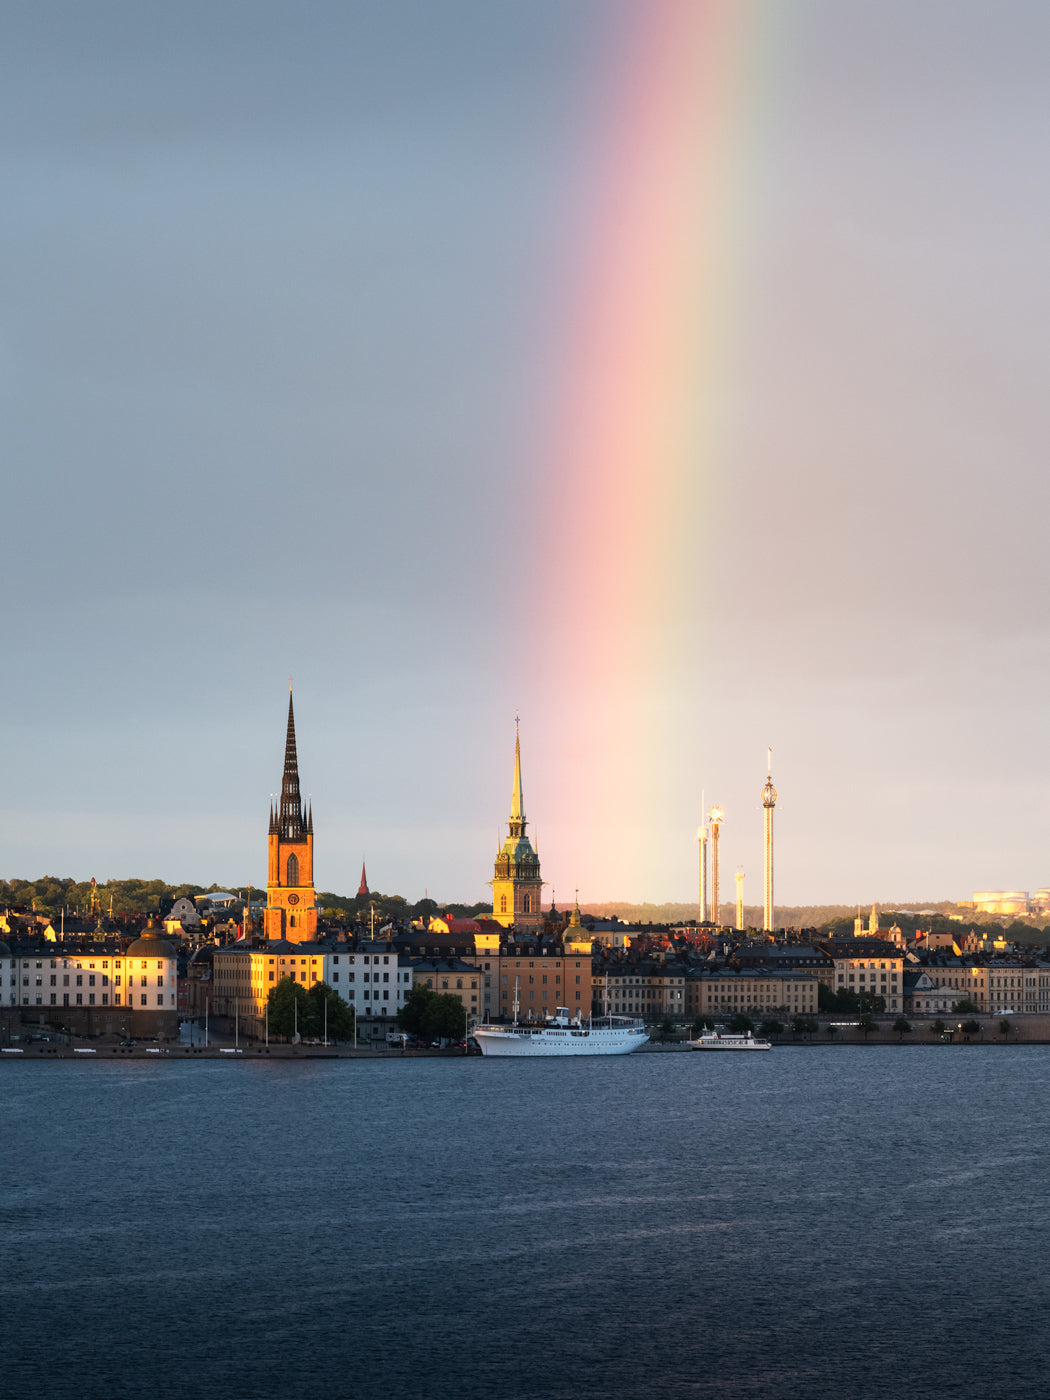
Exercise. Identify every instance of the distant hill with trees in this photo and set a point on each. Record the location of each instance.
(837, 919)
(787, 916)
(50, 894)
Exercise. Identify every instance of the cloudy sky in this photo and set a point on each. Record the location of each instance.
(670, 374)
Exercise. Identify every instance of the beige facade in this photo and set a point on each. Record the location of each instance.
(964, 982)
(869, 966)
(542, 978)
(454, 978)
(653, 993)
(97, 991)
(753, 992)
(1013, 987)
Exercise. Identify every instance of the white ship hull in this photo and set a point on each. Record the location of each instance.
(607, 1035)
(713, 1040)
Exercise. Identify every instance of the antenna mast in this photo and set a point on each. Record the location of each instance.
(769, 801)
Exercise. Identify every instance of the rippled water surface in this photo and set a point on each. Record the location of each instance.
(861, 1222)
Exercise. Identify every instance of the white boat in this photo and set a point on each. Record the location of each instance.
(560, 1035)
(722, 1040)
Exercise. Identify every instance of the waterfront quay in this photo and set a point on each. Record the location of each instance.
(829, 1033)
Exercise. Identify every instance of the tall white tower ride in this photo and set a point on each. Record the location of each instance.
(701, 836)
(740, 901)
(769, 801)
(715, 817)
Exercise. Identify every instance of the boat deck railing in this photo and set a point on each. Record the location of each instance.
(592, 1023)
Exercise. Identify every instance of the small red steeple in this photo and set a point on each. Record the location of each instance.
(363, 889)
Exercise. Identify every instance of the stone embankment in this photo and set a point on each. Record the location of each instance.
(85, 1051)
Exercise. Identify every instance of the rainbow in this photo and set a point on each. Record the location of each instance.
(641, 380)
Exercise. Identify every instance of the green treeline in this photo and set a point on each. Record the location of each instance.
(51, 894)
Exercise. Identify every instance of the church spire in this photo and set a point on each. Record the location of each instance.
(517, 802)
(291, 906)
(362, 890)
(291, 823)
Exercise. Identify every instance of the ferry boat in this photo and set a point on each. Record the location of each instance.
(722, 1040)
(560, 1035)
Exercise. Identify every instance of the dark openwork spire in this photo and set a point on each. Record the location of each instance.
(291, 824)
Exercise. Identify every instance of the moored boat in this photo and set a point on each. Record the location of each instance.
(723, 1040)
(561, 1036)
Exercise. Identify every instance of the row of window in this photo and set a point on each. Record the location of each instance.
(66, 963)
(543, 979)
(103, 999)
(532, 996)
(53, 980)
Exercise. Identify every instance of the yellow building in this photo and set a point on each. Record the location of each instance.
(244, 976)
(869, 966)
(455, 978)
(1001, 902)
(97, 990)
(291, 908)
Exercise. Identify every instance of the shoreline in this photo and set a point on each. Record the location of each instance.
(92, 1054)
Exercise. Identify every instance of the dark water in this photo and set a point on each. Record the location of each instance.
(828, 1222)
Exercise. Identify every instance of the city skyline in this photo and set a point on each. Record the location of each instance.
(667, 374)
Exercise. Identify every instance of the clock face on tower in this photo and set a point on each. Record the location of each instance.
(293, 899)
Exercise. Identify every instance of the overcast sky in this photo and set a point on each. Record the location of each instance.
(283, 335)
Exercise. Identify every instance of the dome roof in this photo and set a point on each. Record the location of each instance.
(150, 944)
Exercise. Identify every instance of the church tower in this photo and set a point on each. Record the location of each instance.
(291, 911)
(516, 887)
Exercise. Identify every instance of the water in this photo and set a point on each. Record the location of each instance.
(837, 1221)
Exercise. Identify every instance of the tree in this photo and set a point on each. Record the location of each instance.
(288, 1004)
(964, 1006)
(937, 1028)
(740, 1024)
(412, 1014)
(340, 1022)
(827, 1000)
(831, 1029)
(902, 1027)
(292, 1008)
(971, 1028)
(432, 1015)
(1004, 1027)
(847, 1000)
(868, 1025)
(804, 1025)
(771, 1028)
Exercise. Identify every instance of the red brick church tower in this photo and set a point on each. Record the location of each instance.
(291, 909)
